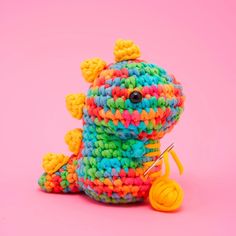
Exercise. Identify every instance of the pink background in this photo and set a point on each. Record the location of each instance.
(41, 46)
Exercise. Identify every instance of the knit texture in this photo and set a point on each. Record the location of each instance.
(120, 138)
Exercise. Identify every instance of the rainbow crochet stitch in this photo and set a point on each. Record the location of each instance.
(130, 105)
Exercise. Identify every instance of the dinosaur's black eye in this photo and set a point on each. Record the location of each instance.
(135, 97)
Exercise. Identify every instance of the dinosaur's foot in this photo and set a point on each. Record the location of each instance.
(60, 174)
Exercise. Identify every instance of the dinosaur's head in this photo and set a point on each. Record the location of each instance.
(131, 98)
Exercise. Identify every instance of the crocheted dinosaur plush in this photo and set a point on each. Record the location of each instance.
(130, 105)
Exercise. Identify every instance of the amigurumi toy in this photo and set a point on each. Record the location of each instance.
(130, 105)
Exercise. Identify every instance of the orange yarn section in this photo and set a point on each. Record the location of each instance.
(91, 68)
(53, 162)
(153, 146)
(75, 104)
(156, 146)
(126, 50)
(73, 139)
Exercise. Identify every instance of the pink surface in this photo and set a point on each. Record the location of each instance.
(41, 46)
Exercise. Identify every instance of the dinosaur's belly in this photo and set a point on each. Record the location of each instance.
(111, 169)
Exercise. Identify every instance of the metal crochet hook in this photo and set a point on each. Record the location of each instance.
(159, 158)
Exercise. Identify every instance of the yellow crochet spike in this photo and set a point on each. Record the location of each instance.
(75, 104)
(91, 68)
(126, 50)
(53, 162)
(73, 139)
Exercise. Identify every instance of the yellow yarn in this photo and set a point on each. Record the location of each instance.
(177, 161)
(75, 104)
(126, 50)
(53, 162)
(165, 194)
(91, 68)
(73, 138)
(155, 175)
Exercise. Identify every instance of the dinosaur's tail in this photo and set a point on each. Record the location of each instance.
(60, 174)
